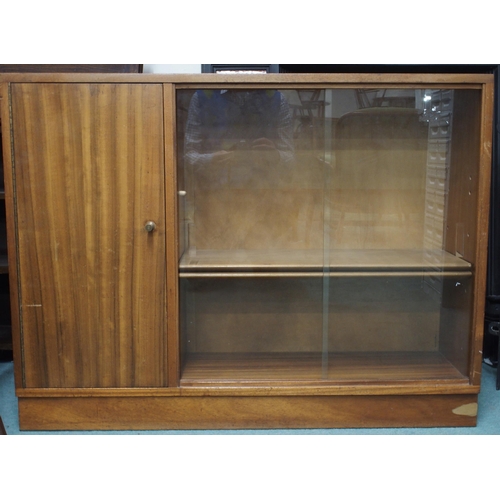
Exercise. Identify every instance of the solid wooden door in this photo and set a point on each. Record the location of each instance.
(88, 169)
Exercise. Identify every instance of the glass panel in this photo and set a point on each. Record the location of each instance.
(326, 234)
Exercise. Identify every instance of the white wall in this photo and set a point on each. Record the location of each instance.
(172, 68)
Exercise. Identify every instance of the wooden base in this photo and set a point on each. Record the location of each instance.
(246, 412)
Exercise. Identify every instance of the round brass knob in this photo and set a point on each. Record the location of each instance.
(150, 226)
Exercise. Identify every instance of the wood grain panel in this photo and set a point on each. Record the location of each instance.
(245, 412)
(290, 80)
(461, 225)
(484, 196)
(88, 164)
(11, 232)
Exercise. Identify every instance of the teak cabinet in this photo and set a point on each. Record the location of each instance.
(247, 251)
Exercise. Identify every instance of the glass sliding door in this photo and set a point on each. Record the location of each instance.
(324, 236)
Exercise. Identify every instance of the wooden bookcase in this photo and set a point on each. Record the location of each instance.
(247, 251)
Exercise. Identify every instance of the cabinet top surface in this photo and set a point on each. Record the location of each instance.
(280, 78)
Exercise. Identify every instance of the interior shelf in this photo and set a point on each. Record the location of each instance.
(293, 368)
(260, 262)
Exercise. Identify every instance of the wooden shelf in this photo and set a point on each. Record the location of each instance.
(308, 368)
(310, 262)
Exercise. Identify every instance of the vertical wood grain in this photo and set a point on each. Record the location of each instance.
(172, 236)
(462, 226)
(89, 170)
(483, 211)
(11, 232)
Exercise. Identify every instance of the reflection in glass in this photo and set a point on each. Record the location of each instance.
(324, 235)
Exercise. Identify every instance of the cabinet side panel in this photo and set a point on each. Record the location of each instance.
(461, 226)
(484, 195)
(89, 175)
(11, 236)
